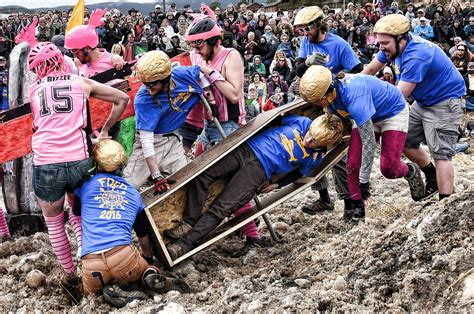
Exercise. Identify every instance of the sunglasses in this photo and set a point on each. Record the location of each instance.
(282, 60)
(461, 50)
(275, 76)
(306, 29)
(151, 84)
(197, 43)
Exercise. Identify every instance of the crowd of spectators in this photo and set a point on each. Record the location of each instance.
(268, 42)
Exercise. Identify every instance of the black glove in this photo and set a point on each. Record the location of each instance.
(162, 184)
(365, 190)
(317, 58)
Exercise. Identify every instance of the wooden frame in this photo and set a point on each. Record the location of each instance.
(153, 202)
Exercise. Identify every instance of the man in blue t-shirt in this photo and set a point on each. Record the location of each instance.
(289, 149)
(161, 105)
(319, 47)
(110, 207)
(425, 72)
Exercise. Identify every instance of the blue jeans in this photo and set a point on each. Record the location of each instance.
(210, 134)
(52, 181)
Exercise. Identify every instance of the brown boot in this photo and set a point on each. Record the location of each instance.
(178, 231)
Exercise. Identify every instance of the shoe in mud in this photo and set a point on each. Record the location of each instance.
(178, 231)
(162, 284)
(249, 244)
(119, 298)
(415, 181)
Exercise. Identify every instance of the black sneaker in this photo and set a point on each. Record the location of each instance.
(358, 211)
(248, 245)
(119, 298)
(417, 186)
(162, 284)
(431, 187)
(178, 231)
(317, 207)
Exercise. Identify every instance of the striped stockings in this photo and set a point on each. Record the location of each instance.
(250, 229)
(3, 225)
(60, 242)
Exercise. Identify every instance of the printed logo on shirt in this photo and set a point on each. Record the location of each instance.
(289, 145)
(111, 198)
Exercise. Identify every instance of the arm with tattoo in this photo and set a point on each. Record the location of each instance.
(367, 136)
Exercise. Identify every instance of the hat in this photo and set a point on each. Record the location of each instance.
(153, 66)
(146, 27)
(423, 19)
(58, 41)
(326, 130)
(308, 15)
(392, 25)
(157, 6)
(109, 155)
(387, 70)
(147, 18)
(315, 83)
(3, 58)
(420, 10)
(173, 4)
(132, 10)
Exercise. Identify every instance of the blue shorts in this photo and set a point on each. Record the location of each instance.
(51, 182)
(210, 134)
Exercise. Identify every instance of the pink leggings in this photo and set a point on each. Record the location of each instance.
(391, 164)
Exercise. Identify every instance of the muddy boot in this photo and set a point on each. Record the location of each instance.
(162, 284)
(178, 231)
(250, 243)
(317, 207)
(119, 298)
(417, 186)
(359, 211)
(175, 250)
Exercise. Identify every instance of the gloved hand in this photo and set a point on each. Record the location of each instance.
(162, 184)
(317, 58)
(365, 190)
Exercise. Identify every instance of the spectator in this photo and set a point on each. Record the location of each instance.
(118, 49)
(270, 36)
(453, 15)
(452, 50)
(257, 66)
(259, 85)
(469, 29)
(388, 76)
(286, 47)
(424, 30)
(416, 22)
(252, 105)
(277, 86)
(430, 10)
(410, 14)
(294, 89)
(4, 91)
(283, 68)
(461, 59)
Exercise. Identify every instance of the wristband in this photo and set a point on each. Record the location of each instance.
(156, 176)
(215, 76)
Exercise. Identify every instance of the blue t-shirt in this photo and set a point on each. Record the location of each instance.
(281, 149)
(109, 206)
(340, 54)
(160, 118)
(363, 97)
(425, 64)
(4, 102)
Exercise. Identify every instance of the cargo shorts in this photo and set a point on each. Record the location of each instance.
(437, 126)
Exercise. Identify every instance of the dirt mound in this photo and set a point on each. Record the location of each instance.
(406, 257)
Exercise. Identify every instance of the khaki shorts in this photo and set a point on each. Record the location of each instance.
(399, 122)
(122, 263)
(437, 126)
(169, 154)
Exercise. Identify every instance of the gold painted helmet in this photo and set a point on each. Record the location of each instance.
(393, 24)
(109, 155)
(315, 83)
(326, 130)
(308, 15)
(153, 66)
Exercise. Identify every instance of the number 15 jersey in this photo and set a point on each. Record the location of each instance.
(60, 118)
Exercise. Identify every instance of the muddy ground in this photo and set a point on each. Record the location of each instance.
(407, 256)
